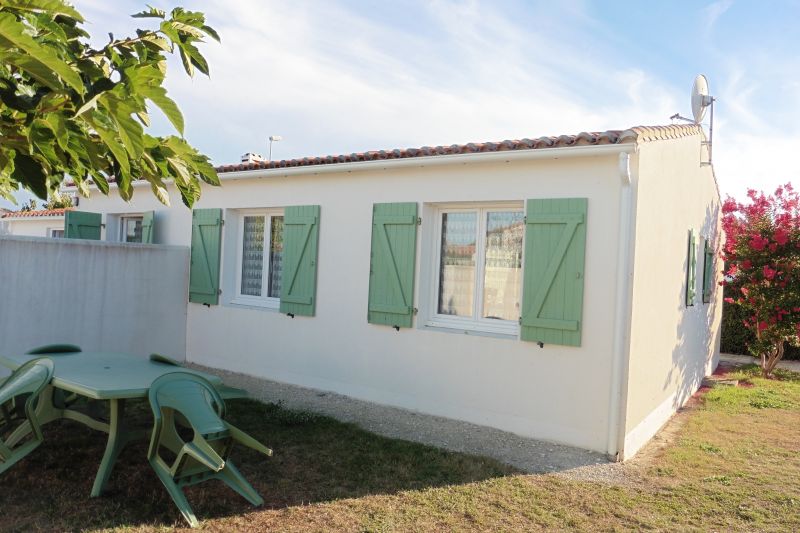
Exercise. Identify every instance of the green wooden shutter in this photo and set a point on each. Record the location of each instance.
(82, 225)
(299, 281)
(147, 227)
(206, 246)
(552, 294)
(392, 264)
(691, 269)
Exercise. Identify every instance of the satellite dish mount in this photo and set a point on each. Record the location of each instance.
(701, 101)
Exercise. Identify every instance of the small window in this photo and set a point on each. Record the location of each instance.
(56, 233)
(130, 229)
(260, 253)
(479, 268)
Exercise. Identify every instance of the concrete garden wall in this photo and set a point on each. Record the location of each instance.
(100, 296)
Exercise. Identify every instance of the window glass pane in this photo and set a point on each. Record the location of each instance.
(503, 273)
(133, 229)
(275, 257)
(252, 255)
(457, 268)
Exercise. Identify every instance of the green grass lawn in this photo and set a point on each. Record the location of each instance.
(732, 464)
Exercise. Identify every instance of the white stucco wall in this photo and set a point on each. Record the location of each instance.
(671, 346)
(555, 393)
(100, 296)
(30, 227)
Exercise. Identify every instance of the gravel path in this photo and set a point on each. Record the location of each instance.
(528, 455)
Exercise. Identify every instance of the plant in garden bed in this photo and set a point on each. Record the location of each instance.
(762, 253)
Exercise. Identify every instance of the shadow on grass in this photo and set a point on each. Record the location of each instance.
(316, 459)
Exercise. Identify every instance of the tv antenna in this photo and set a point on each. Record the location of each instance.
(272, 139)
(701, 100)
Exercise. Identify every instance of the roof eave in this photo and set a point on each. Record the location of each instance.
(561, 152)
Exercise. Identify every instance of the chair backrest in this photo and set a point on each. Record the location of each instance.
(53, 349)
(30, 378)
(193, 396)
(158, 358)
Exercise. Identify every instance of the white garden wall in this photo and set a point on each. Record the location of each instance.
(555, 393)
(100, 296)
(672, 346)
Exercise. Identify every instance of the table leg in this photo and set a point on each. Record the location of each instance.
(117, 439)
(47, 412)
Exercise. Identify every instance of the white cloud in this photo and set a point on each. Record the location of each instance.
(332, 80)
(745, 161)
(713, 12)
(338, 78)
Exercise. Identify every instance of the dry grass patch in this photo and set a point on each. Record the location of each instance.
(733, 465)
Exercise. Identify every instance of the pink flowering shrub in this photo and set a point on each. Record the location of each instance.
(762, 255)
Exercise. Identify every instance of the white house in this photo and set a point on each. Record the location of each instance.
(39, 223)
(561, 288)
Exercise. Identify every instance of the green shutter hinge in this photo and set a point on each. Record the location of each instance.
(525, 220)
(419, 221)
(520, 321)
(415, 310)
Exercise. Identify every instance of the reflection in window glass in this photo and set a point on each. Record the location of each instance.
(503, 267)
(252, 255)
(457, 267)
(132, 229)
(275, 257)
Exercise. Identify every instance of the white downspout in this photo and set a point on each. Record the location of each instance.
(617, 403)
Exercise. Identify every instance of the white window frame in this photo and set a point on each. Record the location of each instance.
(247, 299)
(50, 232)
(122, 219)
(475, 323)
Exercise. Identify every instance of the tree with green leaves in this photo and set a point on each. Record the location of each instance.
(71, 111)
(58, 201)
(762, 256)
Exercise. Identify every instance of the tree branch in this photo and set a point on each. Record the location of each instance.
(116, 44)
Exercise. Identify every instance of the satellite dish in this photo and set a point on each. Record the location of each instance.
(700, 98)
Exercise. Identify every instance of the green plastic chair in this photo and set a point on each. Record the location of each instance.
(18, 396)
(227, 392)
(194, 400)
(54, 349)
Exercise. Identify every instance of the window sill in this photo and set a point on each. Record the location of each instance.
(258, 305)
(506, 331)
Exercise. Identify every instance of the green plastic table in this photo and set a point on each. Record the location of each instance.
(108, 376)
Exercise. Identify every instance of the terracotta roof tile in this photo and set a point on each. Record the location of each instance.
(637, 133)
(39, 213)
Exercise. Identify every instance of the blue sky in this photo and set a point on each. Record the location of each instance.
(339, 77)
